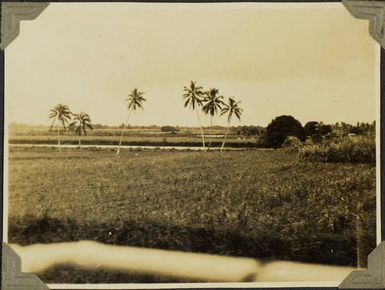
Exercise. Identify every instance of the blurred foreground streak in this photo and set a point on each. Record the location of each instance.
(203, 267)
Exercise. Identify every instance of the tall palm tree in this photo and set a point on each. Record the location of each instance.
(193, 97)
(213, 102)
(80, 124)
(62, 114)
(135, 100)
(231, 108)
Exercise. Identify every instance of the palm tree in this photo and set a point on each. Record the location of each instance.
(80, 123)
(193, 96)
(213, 102)
(135, 100)
(231, 108)
(62, 114)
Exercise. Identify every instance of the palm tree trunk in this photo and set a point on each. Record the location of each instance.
(58, 139)
(200, 125)
(124, 129)
(227, 132)
(80, 143)
(211, 132)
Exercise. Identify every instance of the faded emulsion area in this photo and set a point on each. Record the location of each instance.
(200, 171)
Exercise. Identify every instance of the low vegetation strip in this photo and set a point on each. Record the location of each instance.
(142, 141)
(362, 150)
(262, 204)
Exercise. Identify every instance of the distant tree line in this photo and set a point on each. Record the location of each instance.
(284, 126)
(250, 130)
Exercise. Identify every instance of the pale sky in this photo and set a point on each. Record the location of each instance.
(312, 61)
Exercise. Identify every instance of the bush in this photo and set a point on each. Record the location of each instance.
(168, 129)
(316, 130)
(309, 141)
(280, 128)
(292, 144)
(348, 151)
(248, 130)
(311, 128)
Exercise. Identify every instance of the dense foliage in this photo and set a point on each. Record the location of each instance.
(280, 128)
(316, 130)
(250, 130)
(358, 150)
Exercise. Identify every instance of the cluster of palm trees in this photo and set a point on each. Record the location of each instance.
(78, 122)
(81, 122)
(211, 102)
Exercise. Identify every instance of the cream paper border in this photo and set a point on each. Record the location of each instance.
(196, 285)
(5, 160)
(327, 5)
(378, 138)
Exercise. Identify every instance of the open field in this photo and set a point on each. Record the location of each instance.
(262, 204)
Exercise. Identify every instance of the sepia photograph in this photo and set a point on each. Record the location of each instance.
(153, 143)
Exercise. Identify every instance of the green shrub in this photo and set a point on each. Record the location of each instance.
(309, 141)
(292, 144)
(280, 128)
(361, 150)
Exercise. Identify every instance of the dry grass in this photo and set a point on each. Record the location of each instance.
(261, 204)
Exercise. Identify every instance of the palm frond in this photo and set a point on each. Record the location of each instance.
(81, 122)
(224, 110)
(232, 108)
(135, 99)
(61, 113)
(193, 95)
(213, 102)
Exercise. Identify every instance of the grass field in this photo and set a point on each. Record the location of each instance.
(263, 204)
